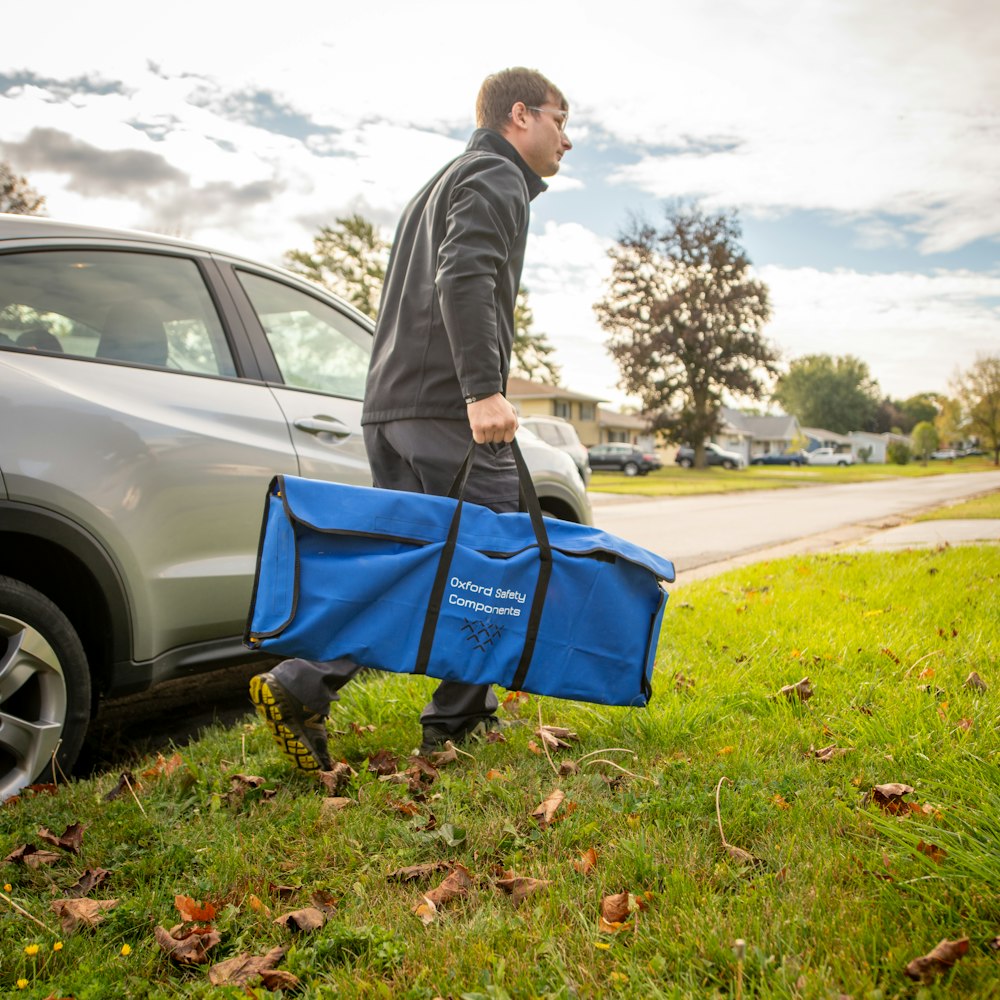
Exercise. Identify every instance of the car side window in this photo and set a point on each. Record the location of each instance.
(316, 347)
(111, 305)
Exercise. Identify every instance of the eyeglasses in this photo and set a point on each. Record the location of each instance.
(562, 117)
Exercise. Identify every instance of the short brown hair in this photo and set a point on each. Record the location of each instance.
(501, 91)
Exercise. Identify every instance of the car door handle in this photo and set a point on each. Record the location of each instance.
(323, 425)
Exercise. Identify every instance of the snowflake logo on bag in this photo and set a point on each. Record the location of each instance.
(483, 634)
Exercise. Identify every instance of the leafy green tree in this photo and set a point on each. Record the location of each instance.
(349, 258)
(978, 390)
(17, 196)
(921, 407)
(835, 393)
(898, 452)
(532, 354)
(685, 318)
(925, 440)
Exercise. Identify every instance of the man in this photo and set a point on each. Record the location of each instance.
(438, 372)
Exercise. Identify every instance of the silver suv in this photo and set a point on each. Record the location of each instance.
(149, 390)
(560, 434)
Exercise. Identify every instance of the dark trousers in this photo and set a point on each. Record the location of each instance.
(420, 456)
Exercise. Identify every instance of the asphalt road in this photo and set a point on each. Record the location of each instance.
(697, 533)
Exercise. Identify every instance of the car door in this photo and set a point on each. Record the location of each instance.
(319, 350)
(134, 423)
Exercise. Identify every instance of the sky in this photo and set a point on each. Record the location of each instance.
(858, 142)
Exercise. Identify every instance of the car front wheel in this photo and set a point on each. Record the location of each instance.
(630, 469)
(728, 465)
(44, 687)
(685, 463)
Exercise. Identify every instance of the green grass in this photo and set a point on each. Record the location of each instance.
(843, 899)
(987, 506)
(675, 481)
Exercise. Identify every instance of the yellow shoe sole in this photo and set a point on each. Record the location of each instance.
(294, 750)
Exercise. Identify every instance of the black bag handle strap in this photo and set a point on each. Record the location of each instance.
(530, 498)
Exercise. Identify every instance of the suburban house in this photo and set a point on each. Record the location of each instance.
(594, 424)
(755, 435)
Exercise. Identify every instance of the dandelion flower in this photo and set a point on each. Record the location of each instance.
(57, 946)
(31, 949)
(22, 983)
(7, 887)
(126, 949)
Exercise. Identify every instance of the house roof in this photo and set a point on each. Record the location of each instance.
(611, 418)
(522, 388)
(779, 427)
(819, 434)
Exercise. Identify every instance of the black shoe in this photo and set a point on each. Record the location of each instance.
(300, 734)
(435, 737)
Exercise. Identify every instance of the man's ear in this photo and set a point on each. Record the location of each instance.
(518, 115)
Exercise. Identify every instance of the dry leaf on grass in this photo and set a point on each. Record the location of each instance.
(426, 910)
(736, 853)
(126, 781)
(802, 691)
(447, 755)
(456, 884)
(935, 853)
(568, 767)
(546, 810)
(194, 912)
(514, 701)
(937, 961)
(827, 754)
(86, 883)
(587, 861)
(975, 682)
(33, 857)
(615, 912)
(333, 804)
(889, 797)
(555, 737)
(336, 779)
(245, 969)
(186, 946)
(495, 736)
(520, 887)
(418, 871)
(71, 839)
(383, 762)
(74, 912)
(310, 918)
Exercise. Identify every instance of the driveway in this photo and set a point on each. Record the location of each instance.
(703, 534)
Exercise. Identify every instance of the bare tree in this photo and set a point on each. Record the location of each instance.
(685, 319)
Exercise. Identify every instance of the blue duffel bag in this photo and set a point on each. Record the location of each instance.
(434, 585)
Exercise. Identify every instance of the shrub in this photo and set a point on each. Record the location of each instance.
(898, 452)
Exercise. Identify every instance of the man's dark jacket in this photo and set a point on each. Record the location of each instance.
(445, 327)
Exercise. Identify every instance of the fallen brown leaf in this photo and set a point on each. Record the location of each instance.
(802, 691)
(418, 871)
(194, 912)
(333, 804)
(336, 779)
(937, 961)
(163, 766)
(519, 888)
(448, 755)
(544, 812)
(74, 912)
(125, 781)
(70, 840)
(827, 754)
(890, 796)
(456, 884)
(422, 771)
(568, 767)
(587, 861)
(555, 737)
(310, 918)
(935, 853)
(186, 947)
(360, 730)
(33, 857)
(383, 762)
(494, 775)
(245, 969)
(323, 900)
(975, 682)
(426, 909)
(617, 908)
(86, 883)
(495, 736)
(514, 701)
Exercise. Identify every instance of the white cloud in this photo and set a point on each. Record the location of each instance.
(913, 330)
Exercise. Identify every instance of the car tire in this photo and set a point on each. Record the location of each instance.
(44, 688)
(794, 463)
(630, 469)
(685, 463)
(842, 465)
(727, 464)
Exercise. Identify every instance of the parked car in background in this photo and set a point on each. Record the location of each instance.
(830, 456)
(946, 454)
(780, 458)
(714, 456)
(560, 434)
(151, 388)
(623, 458)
